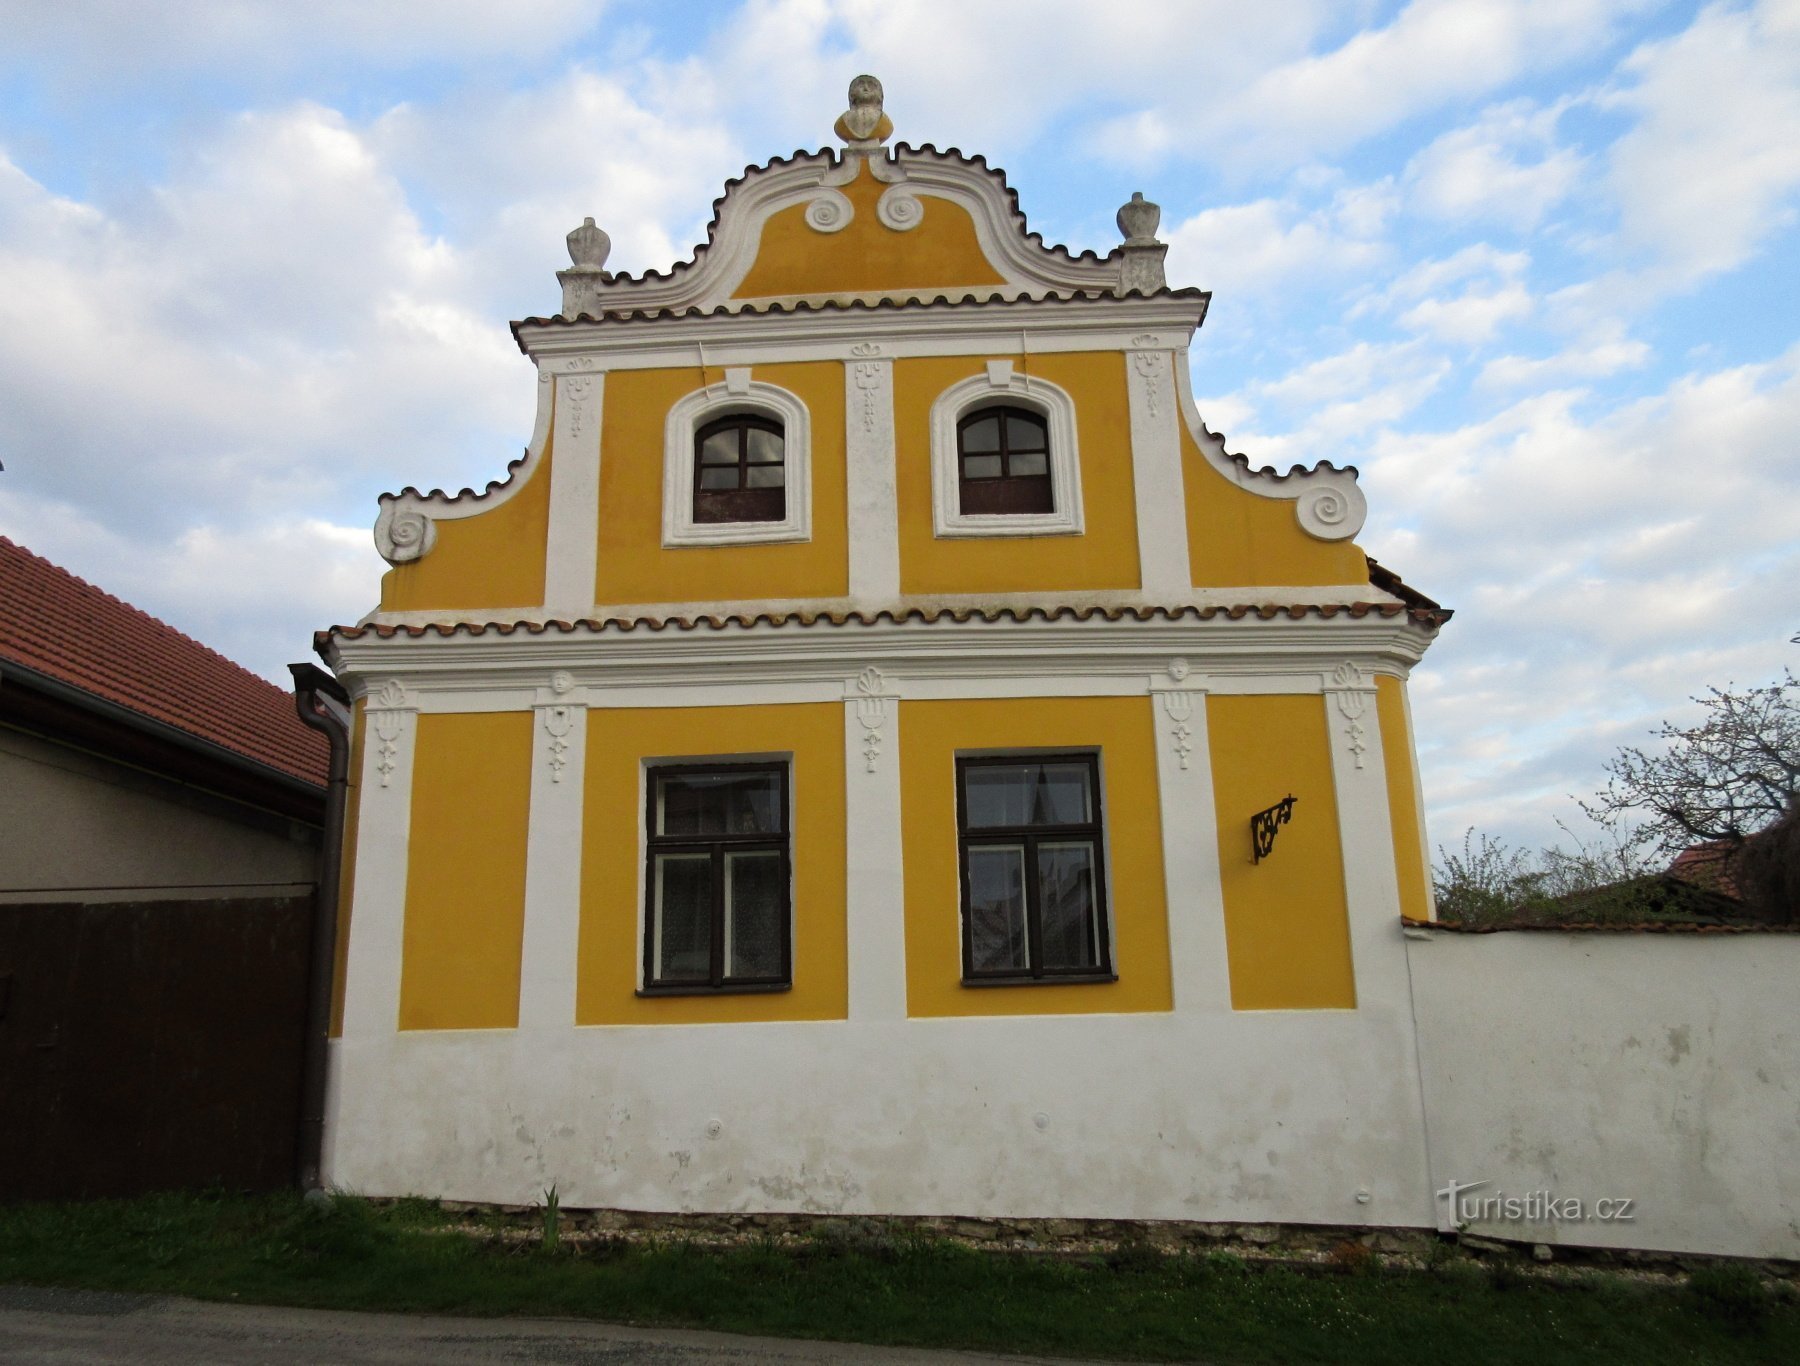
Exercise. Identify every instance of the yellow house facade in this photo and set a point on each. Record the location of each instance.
(877, 751)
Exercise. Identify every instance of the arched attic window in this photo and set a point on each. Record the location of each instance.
(1003, 462)
(740, 470)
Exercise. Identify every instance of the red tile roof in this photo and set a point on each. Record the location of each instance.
(1711, 866)
(1428, 618)
(70, 631)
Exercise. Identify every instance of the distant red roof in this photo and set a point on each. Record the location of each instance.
(1712, 866)
(70, 631)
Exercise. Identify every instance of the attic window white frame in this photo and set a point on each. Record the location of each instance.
(1000, 384)
(736, 393)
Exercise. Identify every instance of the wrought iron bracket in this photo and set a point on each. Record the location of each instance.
(1264, 824)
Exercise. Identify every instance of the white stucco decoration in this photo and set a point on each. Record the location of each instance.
(1328, 504)
(711, 278)
(403, 534)
(899, 209)
(738, 393)
(830, 212)
(999, 383)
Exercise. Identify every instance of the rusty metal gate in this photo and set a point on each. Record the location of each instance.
(150, 1045)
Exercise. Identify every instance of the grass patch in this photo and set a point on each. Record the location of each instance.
(1138, 1305)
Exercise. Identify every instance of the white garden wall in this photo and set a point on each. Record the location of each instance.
(1659, 1068)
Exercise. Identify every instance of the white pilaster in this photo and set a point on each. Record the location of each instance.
(1370, 884)
(384, 826)
(574, 532)
(1197, 962)
(553, 856)
(869, 451)
(875, 882)
(1156, 473)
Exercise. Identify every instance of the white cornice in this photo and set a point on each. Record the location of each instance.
(1080, 324)
(1093, 649)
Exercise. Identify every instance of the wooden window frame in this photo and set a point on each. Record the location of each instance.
(718, 846)
(743, 422)
(1029, 836)
(1005, 487)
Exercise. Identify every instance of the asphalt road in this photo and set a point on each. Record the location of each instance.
(90, 1328)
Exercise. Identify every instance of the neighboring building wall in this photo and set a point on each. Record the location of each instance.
(81, 828)
(1659, 1068)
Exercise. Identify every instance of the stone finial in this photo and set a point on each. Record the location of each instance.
(1141, 258)
(1137, 220)
(589, 246)
(588, 249)
(863, 124)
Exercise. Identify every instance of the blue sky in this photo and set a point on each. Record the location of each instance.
(1533, 268)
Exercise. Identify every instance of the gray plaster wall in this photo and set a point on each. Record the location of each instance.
(1663, 1069)
(77, 826)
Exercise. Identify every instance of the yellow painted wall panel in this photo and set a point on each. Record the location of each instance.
(633, 564)
(1104, 556)
(347, 866)
(611, 950)
(465, 871)
(868, 257)
(493, 559)
(1404, 806)
(1236, 537)
(1287, 921)
(1122, 729)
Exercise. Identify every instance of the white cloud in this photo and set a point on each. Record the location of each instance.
(1268, 244)
(1604, 568)
(1434, 53)
(1472, 316)
(126, 39)
(1595, 361)
(1481, 172)
(1713, 165)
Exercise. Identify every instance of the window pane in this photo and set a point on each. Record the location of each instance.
(1069, 924)
(981, 467)
(1032, 464)
(1026, 794)
(1060, 795)
(718, 476)
(981, 435)
(682, 901)
(1025, 433)
(764, 476)
(764, 447)
(721, 448)
(997, 940)
(755, 907)
(722, 803)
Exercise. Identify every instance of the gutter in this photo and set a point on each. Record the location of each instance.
(55, 689)
(313, 687)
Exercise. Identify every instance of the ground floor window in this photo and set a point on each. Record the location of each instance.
(717, 913)
(1033, 869)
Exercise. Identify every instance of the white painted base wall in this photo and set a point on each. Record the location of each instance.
(1662, 1068)
(1264, 1117)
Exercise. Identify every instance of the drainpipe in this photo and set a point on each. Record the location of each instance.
(312, 687)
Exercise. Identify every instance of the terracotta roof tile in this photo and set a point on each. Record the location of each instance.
(962, 296)
(1711, 866)
(1427, 617)
(68, 630)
